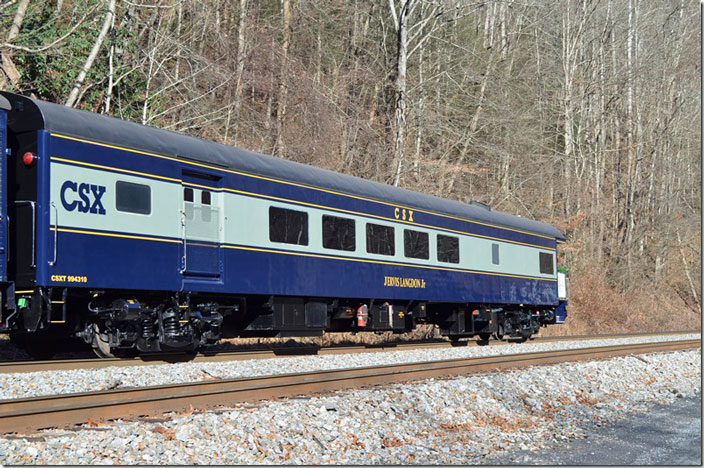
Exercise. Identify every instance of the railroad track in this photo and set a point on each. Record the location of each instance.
(222, 356)
(28, 414)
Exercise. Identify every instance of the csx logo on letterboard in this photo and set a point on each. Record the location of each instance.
(86, 198)
(403, 214)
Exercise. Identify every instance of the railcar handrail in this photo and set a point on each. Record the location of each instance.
(56, 234)
(184, 258)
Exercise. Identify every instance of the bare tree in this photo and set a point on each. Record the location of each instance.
(279, 147)
(413, 26)
(9, 70)
(241, 57)
(107, 22)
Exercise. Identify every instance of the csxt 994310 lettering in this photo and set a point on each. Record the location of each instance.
(139, 239)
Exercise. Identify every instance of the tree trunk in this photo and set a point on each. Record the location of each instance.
(111, 72)
(692, 287)
(279, 148)
(628, 215)
(73, 95)
(241, 56)
(568, 77)
(400, 88)
(420, 114)
(10, 72)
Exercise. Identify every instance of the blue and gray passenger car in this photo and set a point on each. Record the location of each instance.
(137, 238)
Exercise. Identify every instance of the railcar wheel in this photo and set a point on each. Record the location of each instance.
(101, 343)
(484, 336)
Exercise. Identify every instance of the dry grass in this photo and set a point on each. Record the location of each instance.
(597, 307)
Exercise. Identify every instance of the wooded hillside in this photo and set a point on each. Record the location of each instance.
(581, 113)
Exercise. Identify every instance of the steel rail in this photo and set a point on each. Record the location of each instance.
(28, 414)
(7, 367)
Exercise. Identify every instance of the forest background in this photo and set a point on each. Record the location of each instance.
(585, 114)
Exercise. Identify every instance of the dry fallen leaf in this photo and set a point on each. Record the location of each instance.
(169, 434)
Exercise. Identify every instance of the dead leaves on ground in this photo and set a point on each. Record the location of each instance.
(387, 442)
(169, 434)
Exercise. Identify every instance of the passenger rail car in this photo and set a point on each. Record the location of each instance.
(136, 238)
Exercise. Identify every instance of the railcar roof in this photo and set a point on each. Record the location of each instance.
(36, 114)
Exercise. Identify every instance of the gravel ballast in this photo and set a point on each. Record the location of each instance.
(456, 421)
(21, 385)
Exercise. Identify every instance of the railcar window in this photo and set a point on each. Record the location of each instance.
(205, 197)
(380, 239)
(546, 265)
(338, 233)
(495, 254)
(448, 249)
(205, 209)
(288, 226)
(133, 198)
(188, 194)
(416, 244)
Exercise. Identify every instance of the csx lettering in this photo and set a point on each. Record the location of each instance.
(403, 214)
(83, 197)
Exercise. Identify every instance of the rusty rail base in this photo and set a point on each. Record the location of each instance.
(28, 414)
(224, 356)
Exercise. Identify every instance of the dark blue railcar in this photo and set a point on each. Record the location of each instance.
(134, 237)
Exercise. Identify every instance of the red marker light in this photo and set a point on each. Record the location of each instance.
(558, 259)
(28, 158)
